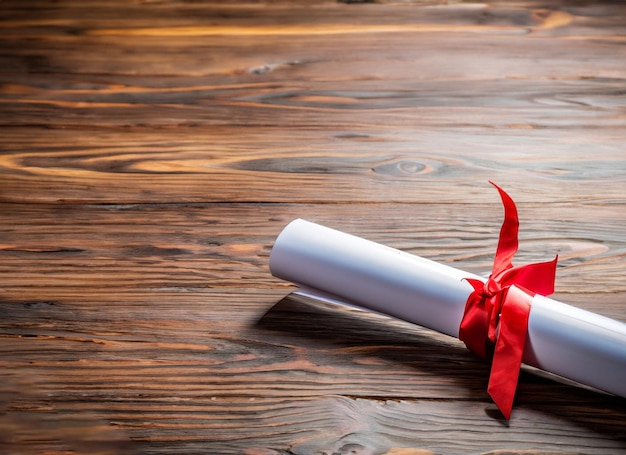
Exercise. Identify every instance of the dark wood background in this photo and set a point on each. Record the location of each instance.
(151, 151)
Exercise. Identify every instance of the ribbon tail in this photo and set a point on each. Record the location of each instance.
(507, 243)
(509, 349)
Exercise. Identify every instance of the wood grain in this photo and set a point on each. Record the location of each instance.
(151, 151)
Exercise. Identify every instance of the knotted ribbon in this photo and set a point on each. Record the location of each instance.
(495, 321)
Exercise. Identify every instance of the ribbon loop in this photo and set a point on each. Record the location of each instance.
(495, 322)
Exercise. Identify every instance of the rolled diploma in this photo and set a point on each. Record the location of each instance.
(576, 344)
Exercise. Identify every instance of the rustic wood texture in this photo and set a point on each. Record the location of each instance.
(151, 151)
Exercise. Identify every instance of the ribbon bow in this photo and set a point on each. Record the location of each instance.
(495, 321)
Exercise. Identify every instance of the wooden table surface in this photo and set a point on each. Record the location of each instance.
(151, 152)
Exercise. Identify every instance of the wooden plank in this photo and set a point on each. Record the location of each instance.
(396, 165)
(221, 246)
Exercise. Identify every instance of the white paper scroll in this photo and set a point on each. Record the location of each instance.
(564, 340)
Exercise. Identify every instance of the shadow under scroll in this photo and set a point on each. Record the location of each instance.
(326, 324)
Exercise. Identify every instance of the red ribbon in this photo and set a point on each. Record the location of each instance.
(495, 321)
